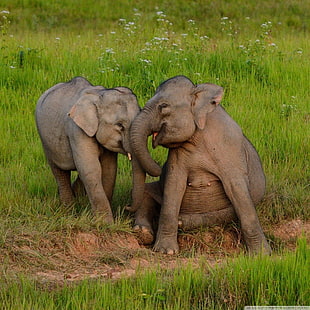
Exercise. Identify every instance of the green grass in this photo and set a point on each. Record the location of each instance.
(243, 281)
(257, 50)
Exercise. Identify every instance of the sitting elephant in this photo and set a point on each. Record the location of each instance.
(213, 174)
(83, 127)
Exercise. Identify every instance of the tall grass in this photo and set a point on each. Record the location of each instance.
(263, 281)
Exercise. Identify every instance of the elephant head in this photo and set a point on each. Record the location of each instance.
(172, 116)
(107, 114)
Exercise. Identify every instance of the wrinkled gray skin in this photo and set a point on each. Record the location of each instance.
(213, 174)
(83, 127)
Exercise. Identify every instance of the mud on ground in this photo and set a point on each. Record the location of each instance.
(57, 259)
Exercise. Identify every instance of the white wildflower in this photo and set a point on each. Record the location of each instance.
(161, 13)
(109, 51)
(146, 61)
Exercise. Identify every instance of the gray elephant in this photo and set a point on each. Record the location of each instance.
(213, 174)
(83, 127)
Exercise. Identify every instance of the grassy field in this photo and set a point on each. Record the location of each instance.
(259, 51)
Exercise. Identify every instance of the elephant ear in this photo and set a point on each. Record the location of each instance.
(206, 98)
(84, 113)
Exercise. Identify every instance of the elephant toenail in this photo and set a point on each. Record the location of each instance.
(144, 229)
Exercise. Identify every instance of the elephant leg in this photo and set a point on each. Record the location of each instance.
(146, 215)
(237, 191)
(78, 187)
(86, 156)
(64, 184)
(95, 192)
(220, 217)
(108, 162)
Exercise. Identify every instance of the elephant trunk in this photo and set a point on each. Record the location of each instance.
(138, 180)
(141, 128)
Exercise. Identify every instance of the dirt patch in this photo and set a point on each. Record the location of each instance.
(291, 230)
(286, 233)
(58, 259)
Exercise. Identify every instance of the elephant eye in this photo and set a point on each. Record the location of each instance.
(163, 106)
(120, 126)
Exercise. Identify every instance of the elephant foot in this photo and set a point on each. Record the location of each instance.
(104, 218)
(144, 234)
(166, 246)
(262, 248)
(67, 201)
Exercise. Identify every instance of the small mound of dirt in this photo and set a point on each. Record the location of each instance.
(291, 230)
(89, 245)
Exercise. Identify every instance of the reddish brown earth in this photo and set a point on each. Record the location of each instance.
(57, 259)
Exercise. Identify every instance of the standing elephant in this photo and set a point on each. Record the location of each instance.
(83, 127)
(213, 174)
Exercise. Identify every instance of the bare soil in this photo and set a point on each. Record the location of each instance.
(58, 259)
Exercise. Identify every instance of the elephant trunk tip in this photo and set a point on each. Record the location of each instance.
(153, 169)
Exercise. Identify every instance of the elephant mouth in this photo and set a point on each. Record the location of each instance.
(118, 148)
(157, 136)
(158, 139)
(154, 136)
